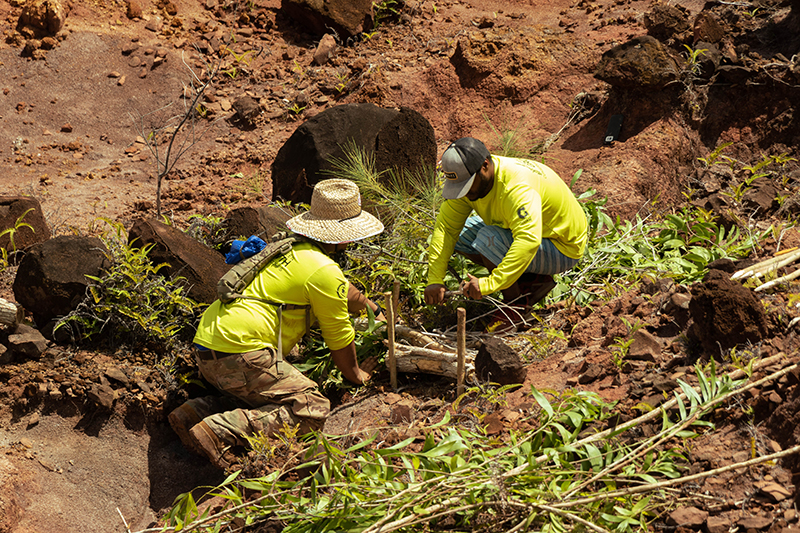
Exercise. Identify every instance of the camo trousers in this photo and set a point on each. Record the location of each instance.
(271, 400)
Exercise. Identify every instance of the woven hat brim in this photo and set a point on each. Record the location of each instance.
(335, 231)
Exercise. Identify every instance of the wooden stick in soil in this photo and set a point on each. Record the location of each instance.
(10, 314)
(396, 299)
(390, 356)
(461, 348)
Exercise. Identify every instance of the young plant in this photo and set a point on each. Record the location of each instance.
(296, 109)
(693, 59)
(11, 233)
(385, 10)
(169, 136)
(132, 303)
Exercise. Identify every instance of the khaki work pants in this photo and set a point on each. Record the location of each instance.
(271, 400)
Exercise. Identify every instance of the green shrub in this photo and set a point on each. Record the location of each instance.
(132, 303)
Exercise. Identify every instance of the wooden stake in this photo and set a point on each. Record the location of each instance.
(461, 349)
(390, 357)
(396, 299)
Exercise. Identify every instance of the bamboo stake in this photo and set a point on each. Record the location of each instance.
(773, 263)
(390, 357)
(461, 349)
(770, 284)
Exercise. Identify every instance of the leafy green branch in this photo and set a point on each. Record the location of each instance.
(545, 478)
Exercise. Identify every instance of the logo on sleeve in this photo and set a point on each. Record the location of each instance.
(341, 291)
(522, 212)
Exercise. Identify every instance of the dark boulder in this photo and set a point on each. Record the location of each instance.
(407, 142)
(51, 279)
(347, 18)
(263, 221)
(198, 265)
(499, 363)
(642, 62)
(16, 214)
(309, 155)
(665, 22)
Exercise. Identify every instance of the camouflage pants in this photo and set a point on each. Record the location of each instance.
(271, 400)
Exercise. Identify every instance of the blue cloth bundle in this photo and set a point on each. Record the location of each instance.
(244, 249)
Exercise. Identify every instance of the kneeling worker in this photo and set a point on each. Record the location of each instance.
(528, 227)
(237, 344)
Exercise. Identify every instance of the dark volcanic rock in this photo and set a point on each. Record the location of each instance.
(725, 314)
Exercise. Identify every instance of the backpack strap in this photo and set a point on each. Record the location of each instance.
(231, 285)
(279, 362)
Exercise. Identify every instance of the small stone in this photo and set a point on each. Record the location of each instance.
(134, 9)
(687, 517)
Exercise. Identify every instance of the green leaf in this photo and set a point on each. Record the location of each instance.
(542, 401)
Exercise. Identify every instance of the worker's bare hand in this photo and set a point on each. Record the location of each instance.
(366, 368)
(434, 294)
(471, 288)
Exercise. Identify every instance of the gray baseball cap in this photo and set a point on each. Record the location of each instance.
(460, 162)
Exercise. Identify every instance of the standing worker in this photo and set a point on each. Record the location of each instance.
(240, 346)
(529, 227)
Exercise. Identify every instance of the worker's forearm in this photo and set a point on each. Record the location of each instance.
(345, 360)
(357, 302)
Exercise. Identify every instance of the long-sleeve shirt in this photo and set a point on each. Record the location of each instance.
(529, 199)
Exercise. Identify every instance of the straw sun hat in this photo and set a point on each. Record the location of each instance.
(335, 214)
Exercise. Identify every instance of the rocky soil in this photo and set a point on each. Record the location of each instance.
(84, 436)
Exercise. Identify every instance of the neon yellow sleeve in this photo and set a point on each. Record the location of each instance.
(449, 223)
(327, 293)
(521, 211)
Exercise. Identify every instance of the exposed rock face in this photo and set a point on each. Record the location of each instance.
(398, 139)
(641, 62)
(263, 221)
(25, 214)
(515, 64)
(51, 280)
(200, 266)
(499, 363)
(347, 18)
(47, 16)
(725, 314)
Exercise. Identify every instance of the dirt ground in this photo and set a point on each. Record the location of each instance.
(68, 137)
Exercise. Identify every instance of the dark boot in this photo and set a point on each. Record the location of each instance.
(535, 287)
(217, 451)
(183, 419)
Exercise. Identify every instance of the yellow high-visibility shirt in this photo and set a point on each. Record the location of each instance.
(529, 199)
(305, 276)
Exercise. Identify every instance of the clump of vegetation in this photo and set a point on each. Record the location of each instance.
(6, 254)
(562, 472)
(132, 303)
